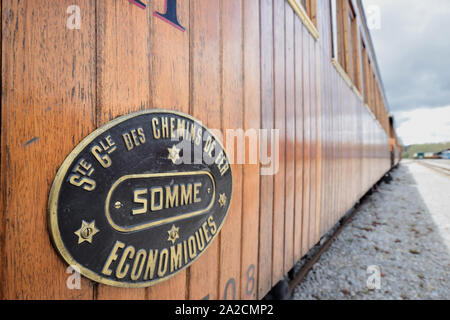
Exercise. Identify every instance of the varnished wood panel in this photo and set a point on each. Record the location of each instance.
(290, 141)
(206, 98)
(169, 60)
(306, 108)
(318, 138)
(123, 80)
(252, 120)
(267, 123)
(2, 170)
(48, 106)
(232, 99)
(313, 142)
(299, 141)
(280, 125)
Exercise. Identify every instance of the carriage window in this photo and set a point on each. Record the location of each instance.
(307, 12)
(364, 72)
(354, 47)
(310, 7)
(346, 44)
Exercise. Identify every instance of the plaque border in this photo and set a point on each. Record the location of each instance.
(52, 206)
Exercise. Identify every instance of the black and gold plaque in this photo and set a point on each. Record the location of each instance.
(140, 199)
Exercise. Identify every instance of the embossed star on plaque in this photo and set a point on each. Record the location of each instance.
(86, 232)
(222, 199)
(174, 154)
(173, 234)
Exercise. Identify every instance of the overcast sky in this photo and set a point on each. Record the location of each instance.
(412, 43)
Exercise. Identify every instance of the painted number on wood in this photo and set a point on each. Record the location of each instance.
(231, 285)
(250, 287)
(170, 15)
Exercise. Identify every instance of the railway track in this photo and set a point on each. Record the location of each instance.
(300, 275)
(440, 168)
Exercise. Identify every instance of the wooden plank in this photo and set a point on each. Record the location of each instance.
(123, 80)
(312, 119)
(48, 103)
(169, 50)
(267, 122)
(232, 99)
(351, 152)
(2, 168)
(359, 122)
(252, 121)
(290, 141)
(205, 106)
(332, 124)
(299, 145)
(338, 169)
(318, 131)
(337, 114)
(343, 154)
(320, 96)
(280, 124)
(169, 47)
(325, 48)
(334, 147)
(306, 142)
(323, 143)
(328, 197)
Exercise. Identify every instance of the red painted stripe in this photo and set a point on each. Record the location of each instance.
(156, 14)
(138, 3)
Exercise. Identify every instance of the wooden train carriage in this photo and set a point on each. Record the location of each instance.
(306, 68)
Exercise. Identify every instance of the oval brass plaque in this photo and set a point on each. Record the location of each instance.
(140, 199)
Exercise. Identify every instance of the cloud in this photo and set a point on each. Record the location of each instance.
(413, 52)
(423, 126)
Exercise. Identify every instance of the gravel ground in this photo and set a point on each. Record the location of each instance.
(404, 230)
